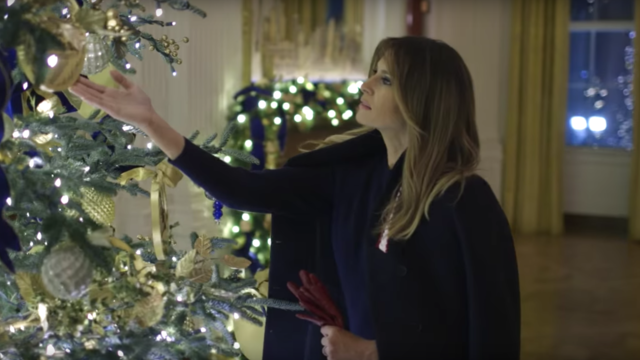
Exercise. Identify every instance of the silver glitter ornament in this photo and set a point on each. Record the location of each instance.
(98, 54)
(67, 273)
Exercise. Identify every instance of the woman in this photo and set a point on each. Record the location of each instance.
(413, 246)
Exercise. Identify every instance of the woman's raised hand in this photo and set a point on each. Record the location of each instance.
(129, 103)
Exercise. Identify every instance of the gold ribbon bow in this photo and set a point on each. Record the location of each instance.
(164, 175)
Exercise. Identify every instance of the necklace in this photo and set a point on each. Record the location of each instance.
(383, 240)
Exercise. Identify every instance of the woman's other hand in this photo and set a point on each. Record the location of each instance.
(129, 103)
(339, 344)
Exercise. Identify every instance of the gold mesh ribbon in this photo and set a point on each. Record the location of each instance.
(164, 175)
(100, 207)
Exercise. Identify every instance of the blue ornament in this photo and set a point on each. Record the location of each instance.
(217, 207)
(217, 211)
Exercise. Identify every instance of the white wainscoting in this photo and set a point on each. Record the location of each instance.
(596, 182)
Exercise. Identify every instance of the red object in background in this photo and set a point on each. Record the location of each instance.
(415, 15)
(315, 298)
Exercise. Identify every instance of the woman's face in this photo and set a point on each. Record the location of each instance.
(378, 107)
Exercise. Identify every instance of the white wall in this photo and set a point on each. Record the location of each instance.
(480, 30)
(382, 19)
(196, 99)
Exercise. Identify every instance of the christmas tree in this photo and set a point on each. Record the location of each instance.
(264, 113)
(70, 288)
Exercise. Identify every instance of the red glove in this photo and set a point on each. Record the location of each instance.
(314, 297)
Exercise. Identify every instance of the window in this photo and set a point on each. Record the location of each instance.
(600, 99)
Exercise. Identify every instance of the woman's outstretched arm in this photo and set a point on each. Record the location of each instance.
(291, 191)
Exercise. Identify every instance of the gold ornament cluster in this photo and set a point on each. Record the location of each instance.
(171, 47)
(114, 24)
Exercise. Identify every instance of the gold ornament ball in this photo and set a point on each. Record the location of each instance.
(179, 61)
(250, 337)
(112, 23)
(66, 272)
(164, 38)
(112, 14)
(174, 54)
(149, 310)
(176, 47)
(152, 48)
(101, 207)
(117, 28)
(185, 39)
(171, 41)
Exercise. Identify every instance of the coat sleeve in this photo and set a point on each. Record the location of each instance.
(292, 191)
(491, 271)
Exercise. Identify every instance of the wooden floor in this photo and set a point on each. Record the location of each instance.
(580, 298)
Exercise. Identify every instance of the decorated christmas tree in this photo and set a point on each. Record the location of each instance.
(265, 113)
(70, 288)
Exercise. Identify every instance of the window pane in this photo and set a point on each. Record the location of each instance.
(608, 10)
(599, 106)
(579, 50)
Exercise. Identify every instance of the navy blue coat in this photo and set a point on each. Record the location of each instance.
(449, 292)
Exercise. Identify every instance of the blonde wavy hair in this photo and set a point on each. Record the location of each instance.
(434, 91)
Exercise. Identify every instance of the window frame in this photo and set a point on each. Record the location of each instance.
(593, 26)
(595, 178)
